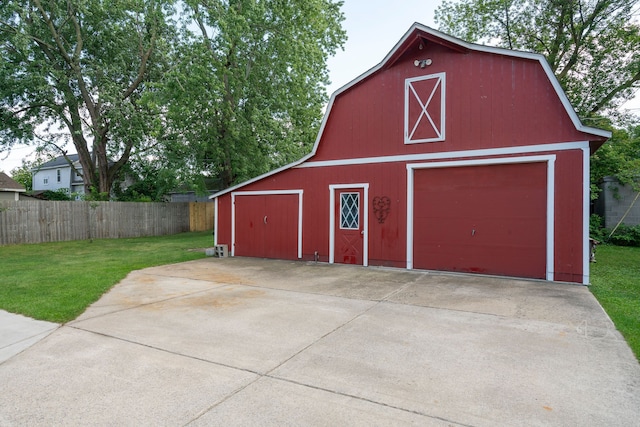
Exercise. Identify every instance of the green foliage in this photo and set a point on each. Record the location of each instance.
(619, 157)
(59, 194)
(77, 70)
(58, 281)
(150, 183)
(224, 88)
(614, 282)
(23, 175)
(247, 89)
(596, 229)
(591, 46)
(625, 235)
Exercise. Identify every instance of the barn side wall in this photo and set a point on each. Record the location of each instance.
(387, 237)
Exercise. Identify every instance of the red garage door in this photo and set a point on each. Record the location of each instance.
(488, 219)
(266, 226)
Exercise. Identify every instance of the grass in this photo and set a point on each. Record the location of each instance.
(58, 281)
(615, 282)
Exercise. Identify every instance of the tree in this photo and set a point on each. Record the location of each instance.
(592, 46)
(619, 157)
(23, 175)
(247, 88)
(80, 70)
(146, 181)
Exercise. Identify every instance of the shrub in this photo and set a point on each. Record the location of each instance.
(625, 235)
(596, 231)
(59, 194)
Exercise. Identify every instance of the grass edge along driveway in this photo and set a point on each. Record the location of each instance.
(58, 281)
(615, 282)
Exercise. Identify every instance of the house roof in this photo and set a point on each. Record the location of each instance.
(418, 33)
(9, 184)
(60, 161)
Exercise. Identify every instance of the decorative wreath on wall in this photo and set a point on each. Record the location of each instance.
(381, 208)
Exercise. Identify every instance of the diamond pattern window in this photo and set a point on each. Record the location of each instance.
(349, 211)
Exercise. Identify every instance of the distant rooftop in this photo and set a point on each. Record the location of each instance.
(9, 184)
(57, 162)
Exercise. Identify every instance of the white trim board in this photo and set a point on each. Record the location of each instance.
(525, 149)
(550, 220)
(332, 219)
(586, 200)
(264, 193)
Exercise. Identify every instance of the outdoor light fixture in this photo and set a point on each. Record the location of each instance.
(422, 62)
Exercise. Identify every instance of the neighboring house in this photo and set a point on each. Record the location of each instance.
(617, 202)
(10, 189)
(445, 156)
(58, 174)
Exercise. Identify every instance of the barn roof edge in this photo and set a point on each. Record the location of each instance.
(415, 30)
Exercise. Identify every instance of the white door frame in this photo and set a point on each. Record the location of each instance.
(548, 159)
(234, 194)
(365, 220)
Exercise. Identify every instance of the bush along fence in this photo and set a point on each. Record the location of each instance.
(52, 221)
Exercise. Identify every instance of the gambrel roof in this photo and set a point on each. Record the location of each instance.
(421, 34)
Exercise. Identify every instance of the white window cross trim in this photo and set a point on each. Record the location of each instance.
(412, 95)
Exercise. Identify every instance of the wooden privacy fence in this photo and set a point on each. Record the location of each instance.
(52, 221)
(200, 216)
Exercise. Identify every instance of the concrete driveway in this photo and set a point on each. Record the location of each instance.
(239, 341)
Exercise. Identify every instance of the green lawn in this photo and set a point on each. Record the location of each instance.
(615, 282)
(57, 281)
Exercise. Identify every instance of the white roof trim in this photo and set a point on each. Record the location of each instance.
(470, 46)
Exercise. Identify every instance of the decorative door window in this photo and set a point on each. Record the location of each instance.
(349, 211)
(424, 109)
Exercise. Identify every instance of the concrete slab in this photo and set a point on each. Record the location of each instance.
(473, 369)
(272, 402)
(17, 333)
(75, 377)
(567, 304)
(246, 327)
(236, 341)
(143, 288)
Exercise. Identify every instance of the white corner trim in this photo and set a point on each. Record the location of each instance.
(215, 222)
(548, 159)
(234, 194)
(586, 200)
(365, 223)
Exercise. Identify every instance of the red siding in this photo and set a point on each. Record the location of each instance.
(568, 225)
(492, 101)
(482, 219)
(267, 226)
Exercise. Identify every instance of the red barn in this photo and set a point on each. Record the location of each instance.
(445, 156)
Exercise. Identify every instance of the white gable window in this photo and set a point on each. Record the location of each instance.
(424, 109)
(45, 180)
